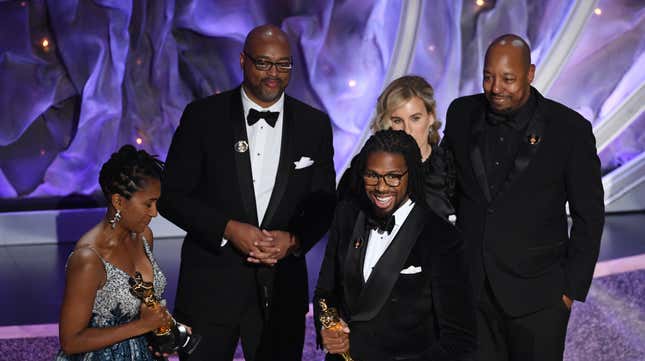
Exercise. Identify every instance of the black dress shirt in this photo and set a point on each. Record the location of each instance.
(503, 134)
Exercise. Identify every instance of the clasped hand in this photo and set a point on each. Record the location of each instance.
(261, 246)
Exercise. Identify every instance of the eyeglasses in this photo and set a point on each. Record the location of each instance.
(391, 179)
(264, 65)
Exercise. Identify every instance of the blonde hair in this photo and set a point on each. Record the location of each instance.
(399, 92)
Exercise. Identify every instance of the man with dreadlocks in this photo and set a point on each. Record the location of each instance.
(393, 269)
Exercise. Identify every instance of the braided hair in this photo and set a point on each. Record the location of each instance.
(127, 171)
(390, 141)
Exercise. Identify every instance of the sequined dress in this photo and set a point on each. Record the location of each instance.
(113, 306)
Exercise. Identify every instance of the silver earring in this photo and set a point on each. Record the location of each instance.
(115, 219)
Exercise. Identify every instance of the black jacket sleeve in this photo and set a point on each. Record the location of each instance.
(586, 204)
(453, 300)
(327, 287)
(184, 169)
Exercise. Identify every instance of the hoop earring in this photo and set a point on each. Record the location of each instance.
(115, 219)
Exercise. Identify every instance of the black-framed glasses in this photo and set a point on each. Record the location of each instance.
(265, 65)
(391, 179)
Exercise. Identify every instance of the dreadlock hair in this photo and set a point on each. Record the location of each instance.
(389, 141)
(127, 171)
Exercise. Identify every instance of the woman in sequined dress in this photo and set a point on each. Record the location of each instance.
(408, 104)
(100, 319)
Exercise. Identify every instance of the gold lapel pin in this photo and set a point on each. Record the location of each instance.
(533, 139)
(357, 243)
(241, 146)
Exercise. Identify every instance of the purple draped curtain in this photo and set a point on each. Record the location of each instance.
(80, 78)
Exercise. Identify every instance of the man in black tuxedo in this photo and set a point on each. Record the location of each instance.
(520, 158)
(394, 270)
(250, 177)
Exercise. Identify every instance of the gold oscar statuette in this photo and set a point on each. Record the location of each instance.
(330, 320)
(169, 338)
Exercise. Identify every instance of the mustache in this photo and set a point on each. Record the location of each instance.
(271, 79)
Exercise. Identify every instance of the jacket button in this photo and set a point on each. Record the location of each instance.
(490, 210)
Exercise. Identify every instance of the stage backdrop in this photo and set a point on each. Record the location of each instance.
(80, 78)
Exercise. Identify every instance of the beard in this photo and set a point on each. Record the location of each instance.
(264, 93)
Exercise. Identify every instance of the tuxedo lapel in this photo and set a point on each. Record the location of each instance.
(240, 147)
(387, 270)
(284, 164)
(529, 145)
(353, 266)
(476, 157)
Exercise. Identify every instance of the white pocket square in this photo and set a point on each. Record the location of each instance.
(411, 270)
(304, 162)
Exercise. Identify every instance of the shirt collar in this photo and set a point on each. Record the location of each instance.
(402, 212)
(520, 117)
(523, 115)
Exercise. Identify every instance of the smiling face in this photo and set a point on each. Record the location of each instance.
(137, 211)
(507, 78)
(386, 199)
(413, 118)
(265, 86)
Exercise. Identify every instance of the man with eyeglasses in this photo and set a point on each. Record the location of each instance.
(394, 270)
(250, 177)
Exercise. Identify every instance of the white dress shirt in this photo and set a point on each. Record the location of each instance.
(379, 242)
(265, 142)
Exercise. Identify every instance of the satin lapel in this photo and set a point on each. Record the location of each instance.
(353, 266)
(385, 273)
(282, 176)
(476, 157)
(527, 150)
(242, 159)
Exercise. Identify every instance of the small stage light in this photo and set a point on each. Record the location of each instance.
(45, 43)
(597, 11)
(480, 2)
(139, 141)
(351, 83)
(431, 48)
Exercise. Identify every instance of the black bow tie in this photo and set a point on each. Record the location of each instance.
(270, 117)
(380, 225)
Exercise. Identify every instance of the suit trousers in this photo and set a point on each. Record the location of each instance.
(538, 336)
(219, 341)
(284, 335)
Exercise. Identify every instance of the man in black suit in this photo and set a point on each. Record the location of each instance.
(250, 177)
(520, 158)
(394, 270)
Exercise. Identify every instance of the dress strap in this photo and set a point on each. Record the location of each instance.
(146, 245)
(105, 263)
(97, 254)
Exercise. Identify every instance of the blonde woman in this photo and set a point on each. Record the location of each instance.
(408, 104)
